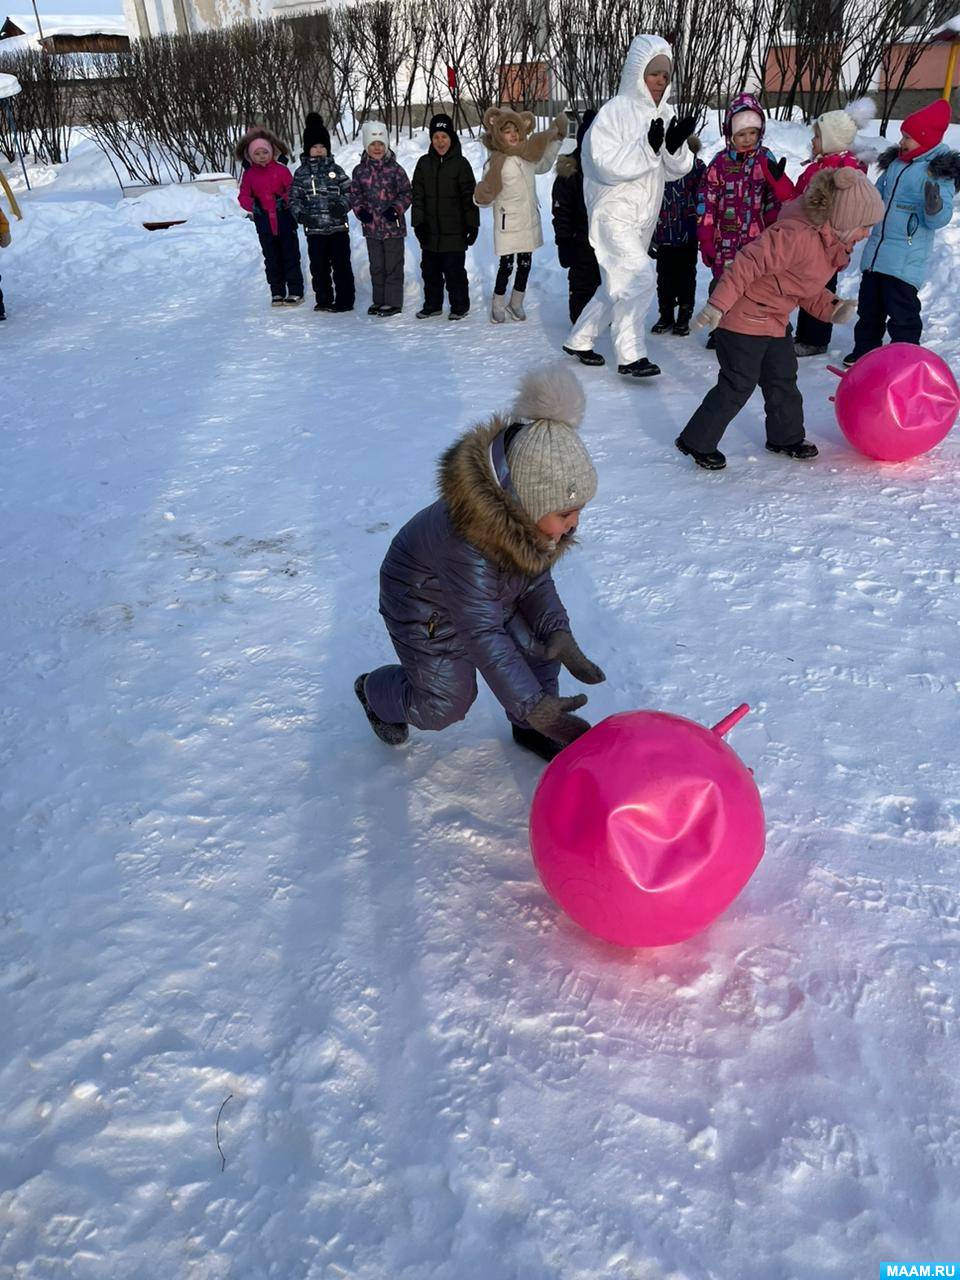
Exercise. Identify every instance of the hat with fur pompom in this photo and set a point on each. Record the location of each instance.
(549, 463)
(838, 129)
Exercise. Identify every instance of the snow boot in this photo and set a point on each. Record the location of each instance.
(324, 306)
(808, 349)
(543, 747)
(803, 450)
(586, 357)
(458, 315)
(293, 300)
(849, 359)
(498, 308)
(389, 311)
(277, 301)
(342, 306)
(426, 312)
(642, 368)
(515, 306)
(682, 326)
(664, 324)
(374, 309)
(714, 461)
(394, 735)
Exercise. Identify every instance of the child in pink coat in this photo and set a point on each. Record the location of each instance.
(265, 193)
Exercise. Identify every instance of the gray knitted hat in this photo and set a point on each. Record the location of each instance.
(549, 464)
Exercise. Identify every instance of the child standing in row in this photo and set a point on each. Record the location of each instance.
(675, 240)
(517, 155)
(444, 219)
(571, 225)
(786, 265)
(318, 201)
(264, 192)
(380, 196)
(834, 136)
(742, 189)
(917, 186)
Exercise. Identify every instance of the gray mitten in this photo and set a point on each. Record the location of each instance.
(932, 199)
(561, 647)
(551, 717)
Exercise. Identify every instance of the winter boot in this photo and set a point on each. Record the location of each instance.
(498, 308)
(642, 368)
(394, 735)
(711, 343)
(803, 450)
(664, 323)
(426, 312)
(374, 309)
(586, 357)
(458, 314)
(277, 301)
(543, 747)
(713, 461)
(515, 306)
(808, 349)
(682, 326)
(850, 359)
(293, 300)
(386, 312)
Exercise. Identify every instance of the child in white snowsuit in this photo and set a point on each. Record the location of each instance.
(466, 586)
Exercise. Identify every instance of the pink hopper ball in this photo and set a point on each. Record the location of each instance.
(647, 827)
(897, 402)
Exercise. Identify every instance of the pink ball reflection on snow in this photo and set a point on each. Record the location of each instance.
(897, 402)
(647, 827)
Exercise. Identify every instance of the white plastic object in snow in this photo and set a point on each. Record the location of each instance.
(9, 85)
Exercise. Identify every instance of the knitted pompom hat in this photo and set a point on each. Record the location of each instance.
(549, 463)
(838, 129)
(856, 202)
(314, 131)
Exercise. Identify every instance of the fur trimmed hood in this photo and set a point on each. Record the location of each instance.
(943, 163)
(532, 146)
(280, 149)
(484, 513)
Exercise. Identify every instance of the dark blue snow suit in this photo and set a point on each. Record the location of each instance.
(466, 587)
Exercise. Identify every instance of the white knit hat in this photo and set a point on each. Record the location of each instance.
(549, 463)
(375, 131)
(745, 120)
(838, 129)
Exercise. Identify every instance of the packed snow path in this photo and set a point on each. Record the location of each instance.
(219, 885)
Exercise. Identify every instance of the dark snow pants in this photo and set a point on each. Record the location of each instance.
(330, 259)
(747, 361)
(505, 270)
(583, 280)
(885, 303)
(676, 277)
(433, 692)
(386, 271)
(447, 268)
(281, 254)
(817, 333)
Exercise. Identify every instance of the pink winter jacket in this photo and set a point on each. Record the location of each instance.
(263, 185)
(787, 266)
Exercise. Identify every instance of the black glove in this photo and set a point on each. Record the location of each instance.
(932, 199)
(561, 647)
(655, 135)
(551, 717)
(337, 210)
(391, 214)
(472, 233)
(653, 251)
(565, 253)
(776, 168)
(364, 214)
(678, 131)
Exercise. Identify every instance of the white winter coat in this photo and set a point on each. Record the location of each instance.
(516, 210)
(623, 178)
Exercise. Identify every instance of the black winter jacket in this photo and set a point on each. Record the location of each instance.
(318, 196)
(469, 577)
(443, 200)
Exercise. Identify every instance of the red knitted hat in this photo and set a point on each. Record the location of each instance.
(928, 125)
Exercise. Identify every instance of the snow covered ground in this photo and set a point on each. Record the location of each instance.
(219, 888)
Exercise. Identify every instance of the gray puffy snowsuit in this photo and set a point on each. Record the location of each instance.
(466, 587)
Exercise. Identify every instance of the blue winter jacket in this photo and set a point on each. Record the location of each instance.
(469, 578)
(900, 242)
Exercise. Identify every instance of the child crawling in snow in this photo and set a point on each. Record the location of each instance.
(466, 584)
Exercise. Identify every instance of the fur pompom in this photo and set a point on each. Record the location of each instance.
(551, 393)
(861, 112)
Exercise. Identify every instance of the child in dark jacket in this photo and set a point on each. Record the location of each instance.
(379, 197)
(466, 585)
(264, 192)
(318, 201)
(917, 183)
(571, 225)
(444, 219)
(750, 306)
(675, 239)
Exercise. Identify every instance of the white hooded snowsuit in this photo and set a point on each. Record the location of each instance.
(623, 180)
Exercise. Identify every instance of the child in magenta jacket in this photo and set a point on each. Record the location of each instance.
(265, 193)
